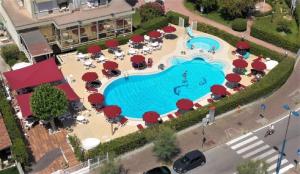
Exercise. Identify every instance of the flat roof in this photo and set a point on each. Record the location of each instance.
(4, 137)
(36, 43)
(21, 18)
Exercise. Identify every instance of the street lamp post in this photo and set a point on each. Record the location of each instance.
(294, 113)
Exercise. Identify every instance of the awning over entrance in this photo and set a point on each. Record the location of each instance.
(36, 43)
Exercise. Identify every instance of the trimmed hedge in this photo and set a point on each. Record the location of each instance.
(267, 85)
(11, 170)
(277, 40)
(174, 18)
(19, 149)
(297, 15)
(75, 143)
(155, 23)
(239, 24)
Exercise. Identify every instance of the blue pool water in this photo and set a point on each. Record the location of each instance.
(159, 92)
(204, 43)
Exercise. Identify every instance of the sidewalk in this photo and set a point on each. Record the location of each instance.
(178, 6)
(228, 126)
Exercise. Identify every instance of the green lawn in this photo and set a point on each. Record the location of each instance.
(12, 170)
(267, 25)
(215, 16)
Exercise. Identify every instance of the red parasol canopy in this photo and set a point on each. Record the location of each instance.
(137, 59)
(232, 77)
(113, 43)
(243, 45)
(154, 34)
(93, 49)
(89, 76)
(110, 65)
(96, 98)
(151, 117)
(240, 63)
(184, 104)
(137, 38)
(259, 58)
(218, 90)
(258, 65)
(112, 111)
(169, 29)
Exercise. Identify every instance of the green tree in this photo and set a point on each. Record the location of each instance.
(165, 147)
(111, 167)
(48, 102)
(208, 5)
(253, 167)
(236, 8)
(151, 10)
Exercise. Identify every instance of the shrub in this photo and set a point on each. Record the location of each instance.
(12, 54)
(297, 15)
(151, 10)
(75, 143)
(239, 24)
(174, 18)
(19, 149)
(155, 23)
(275, 39)
(283, 26)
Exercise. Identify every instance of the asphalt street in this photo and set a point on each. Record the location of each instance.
(253, 146)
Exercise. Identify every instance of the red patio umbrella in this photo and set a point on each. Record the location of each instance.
(218, 90)
(151, 117)
(137, 38)
(154, 34)
(112, 111)
(113, 43)
(110, 65)
(137, 59)
(89, 76)
(184, 104)
(169, 29)
(259, 58)
(243, 45)
(233, 77)
(96, 98)
(93, 49)
(240, 63)
(258, 65)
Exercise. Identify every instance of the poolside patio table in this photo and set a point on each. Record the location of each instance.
(88, 62)
(132, 51)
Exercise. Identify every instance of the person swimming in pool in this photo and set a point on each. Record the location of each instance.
(184, 76)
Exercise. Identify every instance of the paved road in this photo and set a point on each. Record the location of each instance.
(254, 146)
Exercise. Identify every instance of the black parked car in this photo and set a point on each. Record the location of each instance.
(159, 170)
(189, 161)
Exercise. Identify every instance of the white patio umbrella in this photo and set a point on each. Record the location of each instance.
(20, 65)
(90, 143)
(271, 64)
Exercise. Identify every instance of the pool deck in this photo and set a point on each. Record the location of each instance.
(98, 127)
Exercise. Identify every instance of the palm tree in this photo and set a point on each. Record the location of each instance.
(253, 167)
(48, 103)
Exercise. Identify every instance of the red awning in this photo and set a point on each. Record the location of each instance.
(258, 65)
(151, 117)
(24, 103)
(110, 65)
(137, 59)
(93, 49)
(240, 63)
(169, 29)
(233, 77)
(89, 76)
(71, 95)
(137, 38)
(112, 111)
(154, 34)
(243, 45)
(96, 98)
(218, 90)
(113, 43)
(34, 75)
(184, 104)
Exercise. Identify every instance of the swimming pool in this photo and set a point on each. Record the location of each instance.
(159, 92)
(205, 43)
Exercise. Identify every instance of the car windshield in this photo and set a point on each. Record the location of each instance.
(185, 159)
